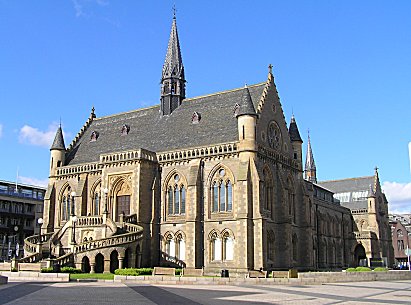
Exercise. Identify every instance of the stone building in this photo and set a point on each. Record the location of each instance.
(20, 207)
(400, 232)
(213, 182)
(369, 208)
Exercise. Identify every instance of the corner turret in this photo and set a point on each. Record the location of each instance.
(57, 151)
(296, 140)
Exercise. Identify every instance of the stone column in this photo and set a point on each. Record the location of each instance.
(120, 262)
(106, 265)
(92, 267)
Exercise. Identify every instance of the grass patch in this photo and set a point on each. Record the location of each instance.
(92, 276)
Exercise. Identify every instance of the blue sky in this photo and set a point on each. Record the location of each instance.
(342, 67)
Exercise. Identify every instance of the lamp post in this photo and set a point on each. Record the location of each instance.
(105, 191)
(40, 222)
(73, 218)
(16, 237)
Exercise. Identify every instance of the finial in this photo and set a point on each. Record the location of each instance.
(270, 68)
(245, 85)
(174, 11)
(376, 169)
(60, 122)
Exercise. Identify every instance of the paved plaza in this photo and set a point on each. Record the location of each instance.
(393, 292)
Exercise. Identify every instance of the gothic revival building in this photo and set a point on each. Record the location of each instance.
(213, 182)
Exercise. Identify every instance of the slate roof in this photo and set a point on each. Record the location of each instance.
(349, 186)
(58, 142)
(151, 131)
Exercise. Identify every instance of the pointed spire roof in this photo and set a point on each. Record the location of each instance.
(293, 131)
(246, 104)
(173, 64)
(309, 161)
(377, 185)
(58, 142)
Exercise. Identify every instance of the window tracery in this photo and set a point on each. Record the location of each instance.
(221, 192)
(66, 204)
(176, 196)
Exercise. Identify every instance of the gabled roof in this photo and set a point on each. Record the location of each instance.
(151, 131)
(58, 143)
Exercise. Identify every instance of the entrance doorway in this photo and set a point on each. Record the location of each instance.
(360, 259)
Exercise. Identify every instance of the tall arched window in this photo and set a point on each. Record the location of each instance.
(228, 247)
(268, 188)
(176, 196)
(180, 247)
(65, 204)
(170, 246)
(221, 246)
(221, 193)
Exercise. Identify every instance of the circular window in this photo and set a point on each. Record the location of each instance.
(176, 178)
(274, 135)
(222, 172)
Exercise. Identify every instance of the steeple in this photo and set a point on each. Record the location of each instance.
(58, 143)
(172, 78)
(310, 169)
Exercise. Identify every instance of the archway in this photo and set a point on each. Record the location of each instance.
(127, 258)
(360, 259)
(113, 261)
(99, 267)
(138, 257)
(85, 265)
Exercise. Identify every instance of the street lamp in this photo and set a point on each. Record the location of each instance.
(105, 191)
(72, 203)
(16, 241)
(40, 222)
(73, 235)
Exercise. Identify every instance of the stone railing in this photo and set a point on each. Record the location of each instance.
(30, 243)
(65, 260)
(32, 258)
(77, 169)
(135, 234)
(198, 152)
(83, 221)
(173, 259)
(131, 219)
(265, 152)
(128, 156)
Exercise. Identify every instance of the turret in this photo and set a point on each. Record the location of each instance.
(296, 140)
(173, 88)
(310, 168)
(246, 120)
(57, 151)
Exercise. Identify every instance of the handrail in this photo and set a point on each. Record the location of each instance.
(83, 221)
(31, 258)
(30, 243)
(65, 259)
(136, 232)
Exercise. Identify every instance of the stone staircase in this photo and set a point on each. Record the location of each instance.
(41, 248)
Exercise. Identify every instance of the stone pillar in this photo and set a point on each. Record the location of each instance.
(120, 262)
(106, 265)
(92, 267)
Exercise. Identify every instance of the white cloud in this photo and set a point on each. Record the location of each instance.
(80, 4)
(33, 181)
(399, 196)
(34, 136)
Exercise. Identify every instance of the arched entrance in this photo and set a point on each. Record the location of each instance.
(127, 258)
(138, 257)
(85, 265)
(99, 268)
(360, 259)
(113, 261)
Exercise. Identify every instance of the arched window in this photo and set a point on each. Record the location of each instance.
(221, 193)
(181, 247)
(291, 201)
(228, 247)
(268, 188)
(176, 197)
(221, 248)
(170, 201)
(65, 204)
(96, 204)
(399, 233)
(170, 247)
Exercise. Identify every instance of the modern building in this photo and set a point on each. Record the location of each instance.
(20, 206)
(213, 182)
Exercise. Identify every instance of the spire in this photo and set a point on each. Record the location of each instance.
(293, 131)
(310, 168)
(377, 185)
(58, 143)
(246, 104)
(172, 77)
